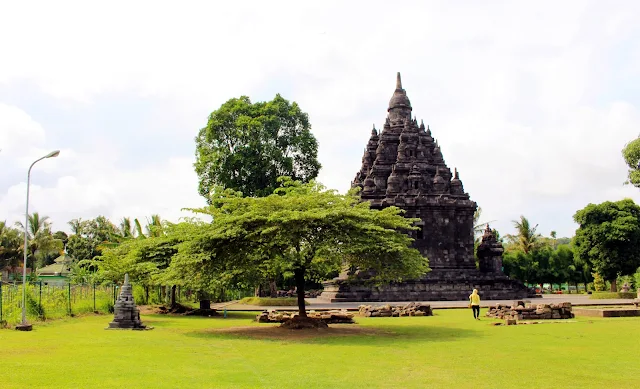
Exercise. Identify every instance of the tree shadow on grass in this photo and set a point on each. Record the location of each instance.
(341, 334)
(169, 320)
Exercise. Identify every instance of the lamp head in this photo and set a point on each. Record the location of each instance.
(53, 154)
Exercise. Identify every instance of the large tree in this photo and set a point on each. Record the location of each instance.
(608, 238)
(90, 236)
(299, 228)
(246, 146)
(631, 155)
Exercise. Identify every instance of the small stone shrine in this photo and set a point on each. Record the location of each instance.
(403, 166)
(126, 314)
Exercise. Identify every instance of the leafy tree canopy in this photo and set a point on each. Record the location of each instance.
(247, 146)
(608, 238)
(300, 228)
(631, 154)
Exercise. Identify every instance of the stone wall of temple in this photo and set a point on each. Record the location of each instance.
(403, 166)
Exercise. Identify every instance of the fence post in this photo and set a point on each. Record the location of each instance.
(69, 297)
(40, 299)
(94, 297)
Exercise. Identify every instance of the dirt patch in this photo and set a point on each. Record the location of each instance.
(177, 310)
(277, 332)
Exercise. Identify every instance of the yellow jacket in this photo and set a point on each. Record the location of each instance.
(474, 298)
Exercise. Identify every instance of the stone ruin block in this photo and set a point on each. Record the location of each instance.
(329, 317)
(526, 311)
(411, 309)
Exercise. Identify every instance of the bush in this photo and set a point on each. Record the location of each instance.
(268, 301)
(33, 308)
(598, 283)
(612, 295)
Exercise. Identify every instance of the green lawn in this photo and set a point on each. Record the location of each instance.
(449, 350)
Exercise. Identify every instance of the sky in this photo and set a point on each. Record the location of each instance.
(532, 102)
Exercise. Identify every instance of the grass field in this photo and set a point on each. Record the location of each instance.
(448, 350)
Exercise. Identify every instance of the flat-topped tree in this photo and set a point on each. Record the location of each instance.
(302, 227)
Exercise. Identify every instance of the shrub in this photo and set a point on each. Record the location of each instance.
(598, 283)
(34, 308)
(612, 295)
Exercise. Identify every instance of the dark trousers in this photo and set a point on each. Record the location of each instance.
(476, 311)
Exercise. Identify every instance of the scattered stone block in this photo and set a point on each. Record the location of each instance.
(521, 310)
(329, 317)
(411, 309)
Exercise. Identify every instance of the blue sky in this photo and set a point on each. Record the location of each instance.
(531, 102)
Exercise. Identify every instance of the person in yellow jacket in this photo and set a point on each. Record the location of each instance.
(474, 303)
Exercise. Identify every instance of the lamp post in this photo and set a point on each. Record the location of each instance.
(24, 326)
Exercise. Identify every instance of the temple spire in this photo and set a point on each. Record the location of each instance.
(400, 100)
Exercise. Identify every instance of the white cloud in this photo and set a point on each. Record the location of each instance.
(17, 130)
(532, 106)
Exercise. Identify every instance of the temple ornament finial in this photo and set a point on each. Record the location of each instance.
(398, 81)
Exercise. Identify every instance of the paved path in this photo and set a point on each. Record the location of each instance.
(316, 304)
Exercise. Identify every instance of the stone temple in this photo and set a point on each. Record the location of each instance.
(403, 166)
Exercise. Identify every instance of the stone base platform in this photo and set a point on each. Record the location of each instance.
(619, 312)
(437, 285)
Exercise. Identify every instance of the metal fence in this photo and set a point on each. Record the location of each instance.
(50, 301)
(56, 300)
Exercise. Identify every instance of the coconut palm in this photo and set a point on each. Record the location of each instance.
(77, 226)
(478, 228)
(41, 243)
(126, 229)
(155, 226)
(526, 238)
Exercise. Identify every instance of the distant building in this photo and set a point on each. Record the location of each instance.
(13, 273)
(58, 272)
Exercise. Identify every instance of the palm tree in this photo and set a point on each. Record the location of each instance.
(478, 228)
(41, 243)
(554, 237)
(155, 226)
(526, 238)
(126, 228)
(77, 226)
(139, 233)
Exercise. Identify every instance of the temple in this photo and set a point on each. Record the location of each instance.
(403, 166)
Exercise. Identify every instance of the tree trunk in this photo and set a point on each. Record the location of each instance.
(299, 275)
(146, 294)
(273, 291)
(614, 285)
(173, 296)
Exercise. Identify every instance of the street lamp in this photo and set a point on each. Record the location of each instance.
(24, 326)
